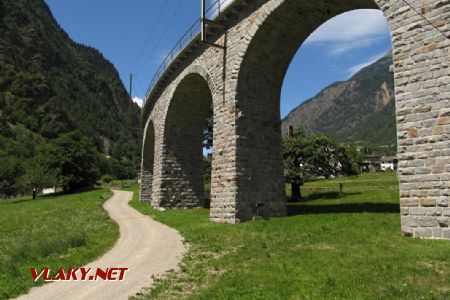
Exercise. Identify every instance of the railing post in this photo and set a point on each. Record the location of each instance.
(191, 32)
(203, 31)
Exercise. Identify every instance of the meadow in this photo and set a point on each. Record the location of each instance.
(331, 246)
(57, 231)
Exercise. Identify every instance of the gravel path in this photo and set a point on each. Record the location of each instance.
(145, 247)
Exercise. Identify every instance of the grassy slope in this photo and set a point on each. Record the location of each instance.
(328, 248)
(64, 231)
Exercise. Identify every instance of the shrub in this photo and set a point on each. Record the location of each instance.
(107, 179)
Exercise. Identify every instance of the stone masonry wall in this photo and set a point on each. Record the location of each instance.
(148, 158)
(422, 77)
(183, 144)
(245, 81)
(146, 186)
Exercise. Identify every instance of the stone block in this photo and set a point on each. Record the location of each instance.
(442, 202)
(427, 221)
(437, 233)
(409, 202)
(407, 231)
(423, 232)
(417, 211)
(443, 221)
(428, 202)
(446, 234)
(409, 221)
(434, 211)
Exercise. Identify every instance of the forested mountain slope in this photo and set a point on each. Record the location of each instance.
(50, 85)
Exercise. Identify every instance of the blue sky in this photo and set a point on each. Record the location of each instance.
(136, 35)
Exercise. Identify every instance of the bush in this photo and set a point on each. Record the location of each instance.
(107, 179)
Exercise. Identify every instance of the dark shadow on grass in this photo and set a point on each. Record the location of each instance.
(40, 198)
(308, 209)
(329, 196)
(323, 196)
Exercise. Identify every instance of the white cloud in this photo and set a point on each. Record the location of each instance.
(356, 68)
(138, 101)
(341, 48)
(354, 29)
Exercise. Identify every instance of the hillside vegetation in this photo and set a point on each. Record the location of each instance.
(51, 85)
(359, 111)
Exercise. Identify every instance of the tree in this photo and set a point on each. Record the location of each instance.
(11, 169)
(74, 160)
(37, 178)
(208, 130)
(207, 162)
(307, 157)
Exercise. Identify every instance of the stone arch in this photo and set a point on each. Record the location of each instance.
(246, 78)
(182, 157)
(193, 70)
(279, 30)
(275, 32)
(274, 37)
(148, 162)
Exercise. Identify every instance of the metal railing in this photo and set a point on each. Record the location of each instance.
(214, 10)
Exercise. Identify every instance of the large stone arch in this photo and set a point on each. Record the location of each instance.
(274, 36)
(245, 79)
(277, 30)
(181, 180)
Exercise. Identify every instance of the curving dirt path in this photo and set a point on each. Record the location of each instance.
(145, 247)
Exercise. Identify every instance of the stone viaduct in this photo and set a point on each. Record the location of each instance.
(243, 82)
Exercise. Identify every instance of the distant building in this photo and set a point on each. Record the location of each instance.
(389, 163)
(51, 191)
(372, 163)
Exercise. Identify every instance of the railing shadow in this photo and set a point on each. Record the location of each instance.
(328, 196)
(368, 207)
(308, 206)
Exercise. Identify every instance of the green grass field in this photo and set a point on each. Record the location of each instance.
(365, 181)
(332, 246)
(61, 231)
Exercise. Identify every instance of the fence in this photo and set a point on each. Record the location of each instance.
(211, 12)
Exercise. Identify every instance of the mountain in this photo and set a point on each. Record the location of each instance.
(359, 111)
(50, 85)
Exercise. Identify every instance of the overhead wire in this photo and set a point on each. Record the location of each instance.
(426, 19)
(150, 33)
(139, 84)
(166, 29)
